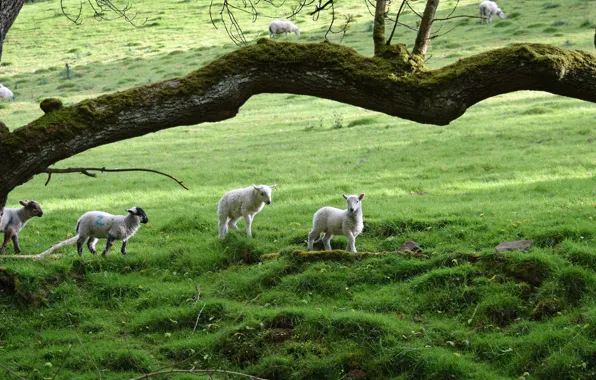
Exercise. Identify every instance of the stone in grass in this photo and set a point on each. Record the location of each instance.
(409, 246)
(517, 245)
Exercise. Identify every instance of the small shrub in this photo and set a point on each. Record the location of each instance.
(362, 121)
(338, 120)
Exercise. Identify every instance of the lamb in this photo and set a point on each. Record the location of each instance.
(285, 27)
(14, 219)
(98, 224)
(5, 92)
(488, 9)
(333, 221)
(246, 202)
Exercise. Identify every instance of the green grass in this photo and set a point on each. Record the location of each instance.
(518, 166)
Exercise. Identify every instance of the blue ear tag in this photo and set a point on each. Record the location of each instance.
(98, 222)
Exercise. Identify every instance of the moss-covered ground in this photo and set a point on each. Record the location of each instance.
(519, 166)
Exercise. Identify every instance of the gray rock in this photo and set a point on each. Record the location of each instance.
(517, 245)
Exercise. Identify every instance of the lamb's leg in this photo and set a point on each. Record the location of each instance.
(248, 219)
(327, 241)
(312, 236)
(80, 242)
(91, 245)
(15, 241)
(7, 237)
(232, 223)
(223, 227)
(123, 249)
(351, 243)
(108, 245)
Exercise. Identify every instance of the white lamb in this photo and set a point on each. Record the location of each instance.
(285, 27)
(5, 92)
(245, 203)
(488, 9)
(14, 219)
(98, 224)
(333, 221)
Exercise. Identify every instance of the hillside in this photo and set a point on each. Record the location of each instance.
(517, 166)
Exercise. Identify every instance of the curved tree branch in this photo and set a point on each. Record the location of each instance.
(395, 85)
(86, 171)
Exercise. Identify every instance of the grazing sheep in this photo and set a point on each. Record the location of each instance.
(488, 9)
(14, 219)
(245, 203)
(285, 27)
(333, 221)
(5, 92)
(99, 224)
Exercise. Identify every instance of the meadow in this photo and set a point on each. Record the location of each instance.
(517, 166)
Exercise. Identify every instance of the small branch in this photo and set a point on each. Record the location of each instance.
(86, 171)
(197, 320)
(401, 7)
(452, 17)
(197, 371)
(12, 372)
(320, 8)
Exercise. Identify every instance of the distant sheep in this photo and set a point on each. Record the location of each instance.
(285, 27)
(488, 9)
(98, 224)
(245, 203)
(333, 221)
(5, 92)
(14, 219)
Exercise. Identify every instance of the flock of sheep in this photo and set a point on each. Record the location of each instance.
(245, 203)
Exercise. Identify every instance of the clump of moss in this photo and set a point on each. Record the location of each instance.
(50, 104)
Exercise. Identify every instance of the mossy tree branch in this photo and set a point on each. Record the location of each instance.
(215, 92)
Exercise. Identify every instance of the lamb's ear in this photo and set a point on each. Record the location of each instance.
(131, 211)
(345, 196)
(361, 196)
(273, 186)
(24, 203)
(255, 186)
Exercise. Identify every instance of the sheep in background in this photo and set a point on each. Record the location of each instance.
(14, 219)
(488, 9)
(245, 203)
(285, 27)
(5, 92)
(333, 221)
(98, 224)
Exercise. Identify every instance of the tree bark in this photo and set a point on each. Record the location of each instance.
(379, 27)
(216, 92)
(9, 10)
(423, 36)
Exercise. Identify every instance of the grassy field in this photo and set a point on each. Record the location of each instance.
(518, 166)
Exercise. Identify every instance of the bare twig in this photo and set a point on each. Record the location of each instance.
(197, 320)
(401, 7)
(12, 372)
(86, 171)
(209, 372)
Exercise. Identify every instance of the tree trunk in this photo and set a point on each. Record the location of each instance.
(216, 92)
(9, 10)
(379, 27)
(423, 37)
